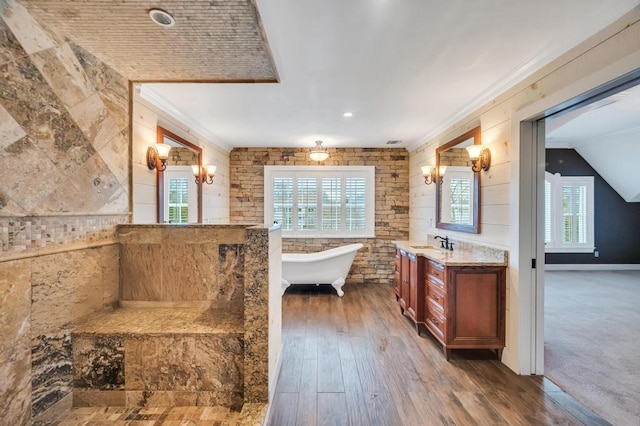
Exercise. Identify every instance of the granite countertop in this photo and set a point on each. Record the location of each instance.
(477, 256)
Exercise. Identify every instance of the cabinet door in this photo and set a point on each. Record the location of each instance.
(416, 286)
(397, 277)
(404, 278)
(476, 307)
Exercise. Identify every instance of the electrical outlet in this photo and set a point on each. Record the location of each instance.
(596, 253)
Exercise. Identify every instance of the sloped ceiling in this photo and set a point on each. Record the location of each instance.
(219, 40)
(607, 135)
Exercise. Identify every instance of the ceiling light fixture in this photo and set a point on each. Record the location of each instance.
(319, 153)
(162, 18)
(347, 114)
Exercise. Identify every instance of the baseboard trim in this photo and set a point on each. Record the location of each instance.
(593, 267)
(272, 386)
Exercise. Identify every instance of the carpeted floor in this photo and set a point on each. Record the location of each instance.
(592, 340)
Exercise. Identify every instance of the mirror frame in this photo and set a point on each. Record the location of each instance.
(161, 133)
(475, 228)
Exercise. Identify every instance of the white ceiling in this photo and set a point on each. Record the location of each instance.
(405, 69)
(607, 135)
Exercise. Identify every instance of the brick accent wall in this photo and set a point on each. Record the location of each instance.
(374, 262)
(182, 157)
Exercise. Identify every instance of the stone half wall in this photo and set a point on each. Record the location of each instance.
(374, 262)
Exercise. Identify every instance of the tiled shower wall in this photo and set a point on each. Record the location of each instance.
(64, 186)
(374, 262)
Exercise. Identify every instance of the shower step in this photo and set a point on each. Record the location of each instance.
(160, 357)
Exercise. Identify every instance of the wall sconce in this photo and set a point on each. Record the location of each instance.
(319, 153)
(204, 174)
(430, 174)
(480, 157)
(157, 156)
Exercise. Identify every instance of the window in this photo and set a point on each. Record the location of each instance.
(457, 195)
(180, 195)
(568, 209)
(321, 201)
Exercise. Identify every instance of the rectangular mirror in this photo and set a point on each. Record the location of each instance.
(457, 186)
(179, 197)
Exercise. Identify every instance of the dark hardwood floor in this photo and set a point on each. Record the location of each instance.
(357, 361)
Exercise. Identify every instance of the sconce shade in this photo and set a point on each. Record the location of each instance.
(480, 157)
(432, 173)
(163, 150)
(319, 153)
(474, 151)
(157, 156)
(204, 174)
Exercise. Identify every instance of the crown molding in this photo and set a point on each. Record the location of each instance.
(151, 96)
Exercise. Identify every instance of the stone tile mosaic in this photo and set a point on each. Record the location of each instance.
(25, 234)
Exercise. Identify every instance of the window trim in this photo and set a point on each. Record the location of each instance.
(367, 172)
(557, 181)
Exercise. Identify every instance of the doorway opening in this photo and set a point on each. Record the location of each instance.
(569, 238)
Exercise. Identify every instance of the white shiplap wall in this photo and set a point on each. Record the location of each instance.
(215, 197)
(609, 54)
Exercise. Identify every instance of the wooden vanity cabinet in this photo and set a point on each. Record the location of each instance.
(465, 306)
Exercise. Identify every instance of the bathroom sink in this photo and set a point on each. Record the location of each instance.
(422, 247)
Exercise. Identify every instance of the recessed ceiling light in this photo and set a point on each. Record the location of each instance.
(347, 114)
(162, 18)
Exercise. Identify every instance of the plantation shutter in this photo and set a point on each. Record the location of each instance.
(283, 202)
(355, 204)
(178, 200)
(460, 201)
(307, 203)
(331, 204)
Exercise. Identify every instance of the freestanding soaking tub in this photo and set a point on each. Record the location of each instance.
(323, 267)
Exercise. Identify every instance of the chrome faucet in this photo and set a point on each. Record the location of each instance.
(444, 242)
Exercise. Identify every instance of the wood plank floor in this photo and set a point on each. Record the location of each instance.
(357, 361)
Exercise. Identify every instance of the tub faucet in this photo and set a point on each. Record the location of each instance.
(444, 242)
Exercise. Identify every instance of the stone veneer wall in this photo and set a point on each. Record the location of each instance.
(64, 183)
(374, 262)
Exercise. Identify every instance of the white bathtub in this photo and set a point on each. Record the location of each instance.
(323, 267)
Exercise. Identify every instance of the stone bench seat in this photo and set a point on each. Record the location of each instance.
(148, 319)
(142, 355)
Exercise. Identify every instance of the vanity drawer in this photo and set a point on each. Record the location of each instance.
(436, 269)
(435, 322)
(436, 297)
(435, 281)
